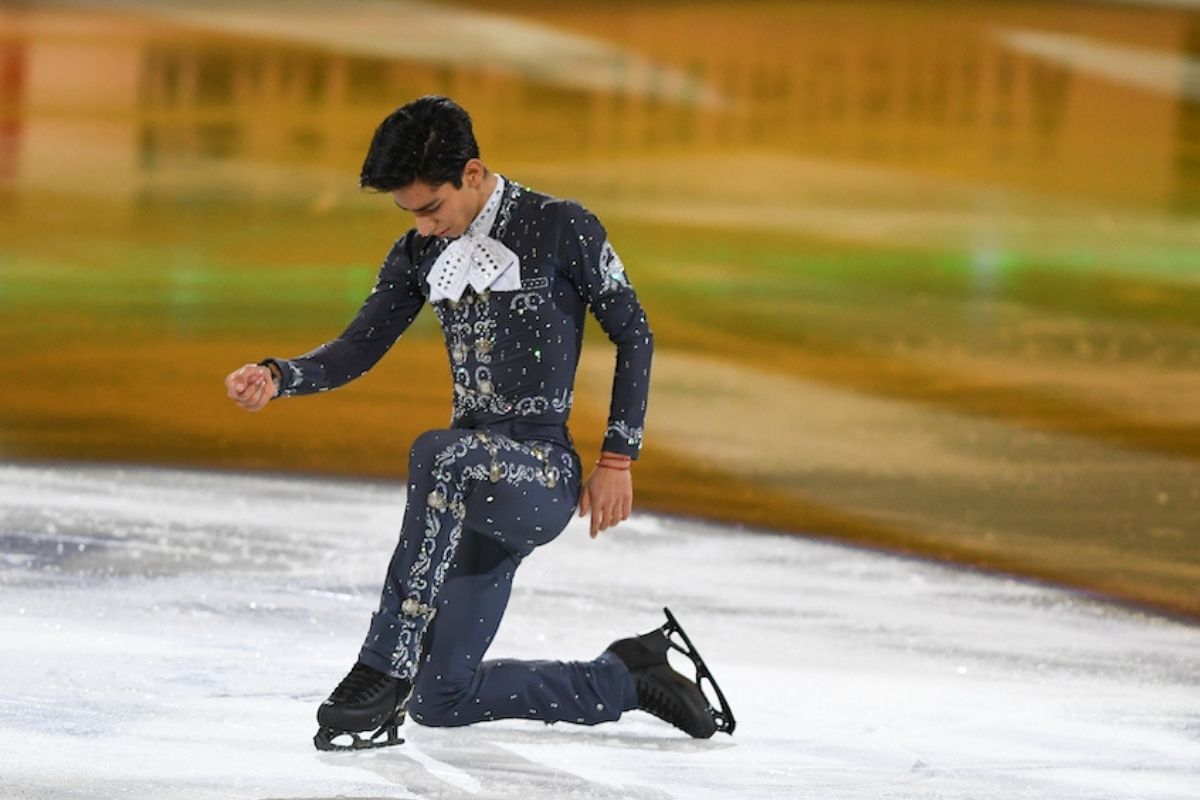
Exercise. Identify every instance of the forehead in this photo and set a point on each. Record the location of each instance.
(419, 194)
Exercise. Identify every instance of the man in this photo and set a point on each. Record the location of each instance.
(510, 274)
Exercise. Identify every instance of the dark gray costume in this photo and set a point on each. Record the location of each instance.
(504, 478)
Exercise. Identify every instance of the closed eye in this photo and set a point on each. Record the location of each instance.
(425, 209)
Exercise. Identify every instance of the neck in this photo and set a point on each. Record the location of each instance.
(485, 191)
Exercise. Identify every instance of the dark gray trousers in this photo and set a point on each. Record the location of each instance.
(478, 503)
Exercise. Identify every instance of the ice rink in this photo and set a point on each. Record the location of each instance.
(169, 634)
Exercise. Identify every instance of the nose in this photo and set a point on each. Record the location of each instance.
(426, 225)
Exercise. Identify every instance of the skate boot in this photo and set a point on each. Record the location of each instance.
(365, 700)
(667, 694)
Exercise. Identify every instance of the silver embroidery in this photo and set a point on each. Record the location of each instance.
(296, 378)
(538, 404)
(512, 193)
(612, 270)
(526, 301)
(632, 436)
(412, 607)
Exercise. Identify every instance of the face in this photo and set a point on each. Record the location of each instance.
(443, 210)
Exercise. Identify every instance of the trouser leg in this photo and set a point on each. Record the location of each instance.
(455, 687)
(519, 494)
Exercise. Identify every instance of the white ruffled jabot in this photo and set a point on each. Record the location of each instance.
(476, 258)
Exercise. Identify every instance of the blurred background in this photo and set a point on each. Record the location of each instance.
(922, 276)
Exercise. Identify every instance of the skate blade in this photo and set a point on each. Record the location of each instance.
(326, 739)
(723, 719)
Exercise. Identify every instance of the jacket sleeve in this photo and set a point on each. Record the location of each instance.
(599, 276)
(386, 313)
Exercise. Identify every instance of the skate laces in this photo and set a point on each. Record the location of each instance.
(361, 683)
(663, 705)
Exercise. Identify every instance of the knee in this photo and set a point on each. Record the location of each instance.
(439, 706)
(434, 718)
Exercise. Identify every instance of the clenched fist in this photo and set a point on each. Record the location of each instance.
(251, 386)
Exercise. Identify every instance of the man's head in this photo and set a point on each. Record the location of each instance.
(425, 155)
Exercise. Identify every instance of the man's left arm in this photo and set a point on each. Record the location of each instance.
(599, 275)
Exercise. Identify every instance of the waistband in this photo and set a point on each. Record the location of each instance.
(522, 430)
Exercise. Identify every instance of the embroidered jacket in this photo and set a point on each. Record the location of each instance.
(513, 354)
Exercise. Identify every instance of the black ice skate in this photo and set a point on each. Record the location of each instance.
(666, 693)
(365, 700)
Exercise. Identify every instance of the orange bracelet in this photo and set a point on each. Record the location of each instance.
(610, 466)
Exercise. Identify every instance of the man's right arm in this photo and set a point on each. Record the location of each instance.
(386, 313)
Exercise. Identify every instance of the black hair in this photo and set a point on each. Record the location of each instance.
(429, 139)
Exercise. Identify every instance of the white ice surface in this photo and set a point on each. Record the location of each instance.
(169, 634)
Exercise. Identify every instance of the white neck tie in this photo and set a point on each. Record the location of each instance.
(475, 258)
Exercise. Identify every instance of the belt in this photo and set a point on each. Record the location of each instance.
(522, 429)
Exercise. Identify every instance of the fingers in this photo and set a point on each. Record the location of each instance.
(252, 393)
(603, 519)
(608, 496)
(239, 382)
(234, 384)
(250, 386)
(257, 397)
(586, 507)
(607, 515)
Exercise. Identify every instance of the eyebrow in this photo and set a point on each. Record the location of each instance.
(428, 206)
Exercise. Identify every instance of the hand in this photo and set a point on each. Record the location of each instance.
(251, 386)
(608, 496)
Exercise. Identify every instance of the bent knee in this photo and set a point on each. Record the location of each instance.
(445, 712)
(438, 719)
(445, 701)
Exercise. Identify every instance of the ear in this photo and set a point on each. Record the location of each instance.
(473, 173)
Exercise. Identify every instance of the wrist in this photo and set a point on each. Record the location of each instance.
(615, 461)
(276, 373)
